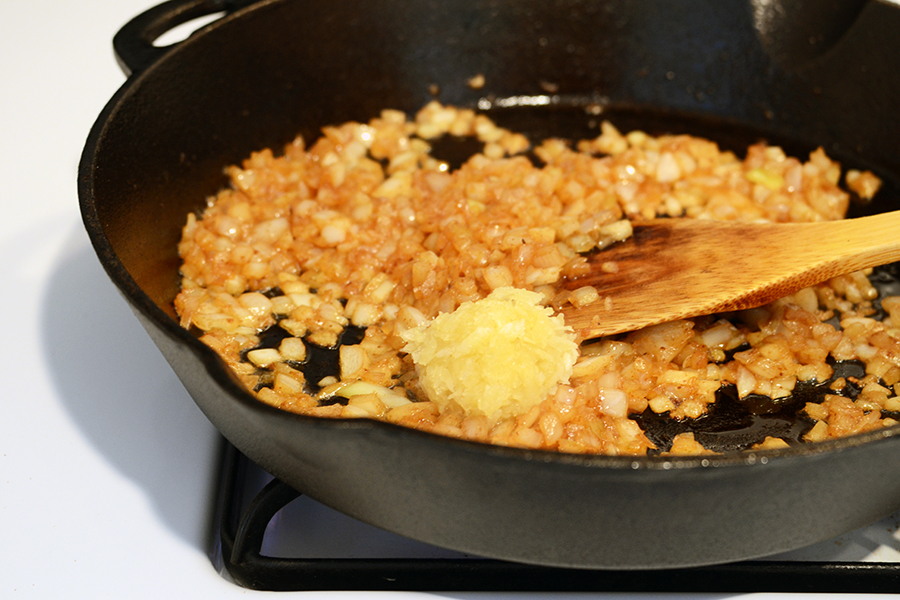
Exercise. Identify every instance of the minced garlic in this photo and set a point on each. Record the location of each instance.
(496, 357)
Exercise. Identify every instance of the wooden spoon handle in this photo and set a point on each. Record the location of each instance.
(810, 253)
(855, 244)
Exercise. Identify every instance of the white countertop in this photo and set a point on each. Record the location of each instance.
(106, 464)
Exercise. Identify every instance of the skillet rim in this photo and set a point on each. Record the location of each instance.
(222, 376)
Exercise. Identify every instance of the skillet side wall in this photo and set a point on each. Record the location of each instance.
(284, 67)
(545, 509)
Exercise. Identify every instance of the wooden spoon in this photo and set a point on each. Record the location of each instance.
(678, 268)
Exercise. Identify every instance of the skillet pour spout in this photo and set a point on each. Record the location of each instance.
(267, 71)
(795, 32)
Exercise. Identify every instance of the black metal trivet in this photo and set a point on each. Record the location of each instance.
(240, 531)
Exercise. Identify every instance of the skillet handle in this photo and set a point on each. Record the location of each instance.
(133, 44)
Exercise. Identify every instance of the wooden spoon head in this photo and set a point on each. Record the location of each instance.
(679, 268)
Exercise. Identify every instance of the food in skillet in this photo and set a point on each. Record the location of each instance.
(361, 276)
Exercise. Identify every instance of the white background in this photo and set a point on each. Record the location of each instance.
(106, 465)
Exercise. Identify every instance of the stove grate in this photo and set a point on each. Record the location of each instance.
(244, 513)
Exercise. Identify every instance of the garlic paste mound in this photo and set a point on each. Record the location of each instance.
(498, 357)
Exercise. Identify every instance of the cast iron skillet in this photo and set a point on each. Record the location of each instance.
(267, 71)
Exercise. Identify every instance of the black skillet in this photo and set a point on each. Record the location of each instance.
(727, 69)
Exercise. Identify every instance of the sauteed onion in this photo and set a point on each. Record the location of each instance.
(351, 243)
